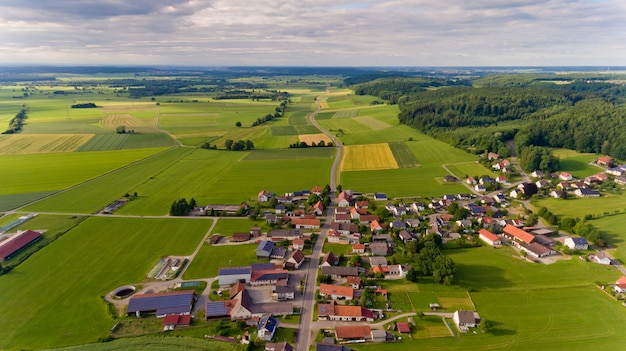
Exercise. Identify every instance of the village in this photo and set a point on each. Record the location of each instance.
(371, 232)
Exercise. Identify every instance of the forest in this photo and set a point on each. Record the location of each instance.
(581, 114)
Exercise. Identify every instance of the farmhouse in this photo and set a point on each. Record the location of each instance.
(620, 285)
(336, 292)
(350, 332)
(17, 242)
(565, 176)
(318, 208)
(295, 260)
(489, 237)
(605, 161)
(334, 312)
(354, 282)
(330, 259)
(302, 223)
(343, 199)
(465, 320)
(162, 304)
(264, 196)
(358, 248)
(576, 243)
(585, 192)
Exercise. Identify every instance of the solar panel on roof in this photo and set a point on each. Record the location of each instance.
(216, 309)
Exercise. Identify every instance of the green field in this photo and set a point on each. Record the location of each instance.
(403, 155)
(59, 293)
(471, 169)
(210, 258)
(577, 163)
(157, 343)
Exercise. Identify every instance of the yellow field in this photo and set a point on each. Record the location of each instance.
(135, 106)
(324, 105)
(130, 122)
(316, 138)
(368, 157)
(41, 143)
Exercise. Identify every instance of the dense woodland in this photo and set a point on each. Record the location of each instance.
(586, 115)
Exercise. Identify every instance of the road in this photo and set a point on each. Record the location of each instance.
(306, 332)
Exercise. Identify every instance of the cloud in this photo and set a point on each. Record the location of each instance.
(324, 32)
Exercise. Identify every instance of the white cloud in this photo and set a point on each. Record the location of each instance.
(324, 32)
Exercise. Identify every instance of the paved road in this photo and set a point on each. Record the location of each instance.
(306, 332)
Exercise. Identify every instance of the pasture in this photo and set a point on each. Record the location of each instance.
(372, 123)
(368, 157)
(71, 310)
(41, 143)
(578, 164)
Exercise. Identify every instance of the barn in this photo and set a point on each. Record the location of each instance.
(162, 304)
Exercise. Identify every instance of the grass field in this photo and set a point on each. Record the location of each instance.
(345, 113)
(471, 169)
(102, 142)
(41, 143)
(284, 130)
(156, 343)
(368, 157)
(291, 154)
(612, 228)
(210, 258)
(93, 196)
(71, 310)
(576, 163)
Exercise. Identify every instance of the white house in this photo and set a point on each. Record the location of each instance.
(620, 285)
(576, 243)
(489, 237)
(465, 319)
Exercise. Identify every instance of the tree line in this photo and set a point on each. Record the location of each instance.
(181, 207)
(16, 123)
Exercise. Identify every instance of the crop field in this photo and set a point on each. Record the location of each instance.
(291, 154)
(299, 118)
(284, 130)
(314, 138)
(368, 157)
(93, 196)
(403, 155)
(71, 310)
(346, 113)
(130, 122)
(156, 343)
(372, 123)
(41, 143)
(20, 174)
(102, 142)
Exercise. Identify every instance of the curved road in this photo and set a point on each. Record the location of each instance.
(305, 328)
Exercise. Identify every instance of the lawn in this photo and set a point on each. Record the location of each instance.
(210, 258)
(71, 310)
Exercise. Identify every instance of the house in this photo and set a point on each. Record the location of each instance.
(267, 327)
(280, 209)
(471, 181)
(542, 184)
(576, 243)
(353, 332)
(343, 218)
(586, 192)
(358, 248)
(270, 218)
(316, 190)
(255, 232)
(161, 304)
(297, 244)
(563, 185)
(285, 199)
(279, 346)
(406, 236)
(365, 219)
(334, 312)
(329, 259)
(336, 292)
(232, 275)
(403, 327)
(338, 272)
(380, 248)
(417, 207)
(284, 292)
(602, 258)
(362, 204)
(264, 196)
(620, 180)
(492, 156)
(239, 237)
(215, 238)
(537, 174)
(264, 249)
(558, 194)
(305, 223)
(489, 237)
(465, 320)
(464, 223)
(501, 179)
(378, 261)
(342, 210)
(171, 321)
(376, 226)
(333, 236)
(17, 242)
(295, 260)
(480, 188)
(605, 161)
(620, 285)
(354, 282)
(343, 199)
(318, 208)
(398, 224)
(616, 171)
(381, 336)
(565, 176)
(412, 222)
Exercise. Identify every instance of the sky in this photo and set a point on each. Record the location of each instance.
(314, 33)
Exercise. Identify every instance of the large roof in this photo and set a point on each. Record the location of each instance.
(342, 271)
(488, 235)
(234, 270)
(176, 302)
(16, 242)
(329, 289)
(519, 234)
(265, 246)
(353, 331)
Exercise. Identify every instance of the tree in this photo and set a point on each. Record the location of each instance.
(312, 199)
(443, 270)
(339, 188)
(412, 275)
(485, 325)
(249, 144)
(321, 143)
(192, 203)
(238, 124)
(120, 129)
(229, 144)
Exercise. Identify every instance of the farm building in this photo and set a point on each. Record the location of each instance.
(162, 304)
(336, 292)
(303, 223)
(489, 237)
(295, 260)
(17, 242)
(334, 312)
(171, 321)
(518, 235)
(353, 332)
(403, 327)
(232, 275)
(341, 271)
(264, 250)
(278, 346)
